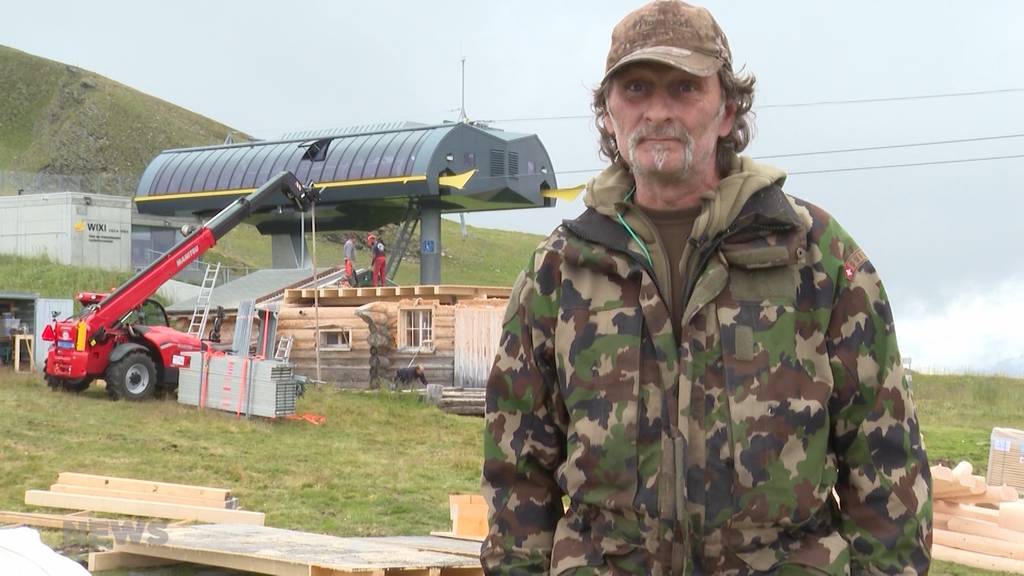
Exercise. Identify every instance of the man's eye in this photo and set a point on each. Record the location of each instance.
(635, 86)
(686, 87)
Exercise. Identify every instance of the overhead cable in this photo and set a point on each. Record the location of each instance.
(801, 104)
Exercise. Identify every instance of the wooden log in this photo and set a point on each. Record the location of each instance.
(975, 560)
(943, 473)
(1011, 516)
(141, 508)
(983, 528)
(133, 485)
(992, 495)
(153, 497)
(979, 544)
(100, 561)
(960, 486)
(966, 511)
(963, 469)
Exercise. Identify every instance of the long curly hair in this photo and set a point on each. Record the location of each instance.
(737, 89)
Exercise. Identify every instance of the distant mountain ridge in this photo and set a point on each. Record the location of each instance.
(61, 119)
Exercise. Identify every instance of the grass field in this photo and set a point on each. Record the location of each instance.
(382, 464)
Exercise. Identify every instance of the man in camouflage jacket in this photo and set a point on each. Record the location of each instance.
(771, 431)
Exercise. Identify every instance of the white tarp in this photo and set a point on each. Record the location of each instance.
(22, 552)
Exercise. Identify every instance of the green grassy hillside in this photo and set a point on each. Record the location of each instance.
(60, 119)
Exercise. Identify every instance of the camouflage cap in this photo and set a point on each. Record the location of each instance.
(669, 32)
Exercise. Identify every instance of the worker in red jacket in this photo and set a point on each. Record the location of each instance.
(379, 261)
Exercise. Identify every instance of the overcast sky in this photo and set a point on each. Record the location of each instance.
(946, 237)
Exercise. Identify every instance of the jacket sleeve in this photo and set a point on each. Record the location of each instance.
(884, 484)
(524, 436)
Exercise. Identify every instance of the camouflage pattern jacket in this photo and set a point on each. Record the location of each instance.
(779, 437)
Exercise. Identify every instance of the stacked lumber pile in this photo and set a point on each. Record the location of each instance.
(976, 524)
(463, 401)
(144, 498)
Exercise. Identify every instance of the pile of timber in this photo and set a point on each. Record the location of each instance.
(463, 401)
(146, 498)
(976, 524)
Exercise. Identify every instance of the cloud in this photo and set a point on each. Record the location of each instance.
(975, 331)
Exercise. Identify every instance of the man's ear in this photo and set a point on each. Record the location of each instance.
(728, 120)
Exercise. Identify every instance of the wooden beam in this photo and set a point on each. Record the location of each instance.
(142, 508)
(100, 561)
(992, 495)
(150, 496)
(975, 560)
(1011, 516)
(982, 528)
(966, 511)
(133, 485)
(979, 544)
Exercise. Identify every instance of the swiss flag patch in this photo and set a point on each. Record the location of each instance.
(853, 262)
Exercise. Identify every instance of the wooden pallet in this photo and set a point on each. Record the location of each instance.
(280, 552)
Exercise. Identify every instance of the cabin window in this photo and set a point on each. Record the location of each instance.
(335, 339)
(417, 329)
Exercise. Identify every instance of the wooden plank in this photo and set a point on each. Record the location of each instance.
(141, 508)
(213, 558)
(979, 544)
(100, 561)
(286, 552)
(152, 497)
(76, 522)
(975, 560)
(131, 484)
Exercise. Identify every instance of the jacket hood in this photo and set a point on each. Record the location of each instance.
(611, 186)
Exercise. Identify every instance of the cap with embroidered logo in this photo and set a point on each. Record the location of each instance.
(669, 32)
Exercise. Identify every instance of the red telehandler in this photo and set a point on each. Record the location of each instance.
(109, 339)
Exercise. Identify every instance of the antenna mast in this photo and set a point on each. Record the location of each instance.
(462, 108)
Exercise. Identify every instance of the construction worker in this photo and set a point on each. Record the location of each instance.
(350, 258)
(379, 261)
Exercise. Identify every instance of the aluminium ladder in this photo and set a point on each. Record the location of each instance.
(202, 309)
(284, 348)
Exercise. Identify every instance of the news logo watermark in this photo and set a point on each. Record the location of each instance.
(93, 532)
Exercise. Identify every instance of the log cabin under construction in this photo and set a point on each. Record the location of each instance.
(451, 331)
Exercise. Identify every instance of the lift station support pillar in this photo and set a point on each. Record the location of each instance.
(430, 244)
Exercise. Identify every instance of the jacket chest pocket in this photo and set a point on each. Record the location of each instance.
(777, 416)
(599, 365)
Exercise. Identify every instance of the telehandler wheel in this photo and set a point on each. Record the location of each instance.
(132, 378)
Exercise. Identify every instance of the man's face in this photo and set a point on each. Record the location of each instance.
(667, 122)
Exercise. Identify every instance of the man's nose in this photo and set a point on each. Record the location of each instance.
(659, 107)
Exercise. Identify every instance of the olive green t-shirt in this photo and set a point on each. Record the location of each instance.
(674, 227)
